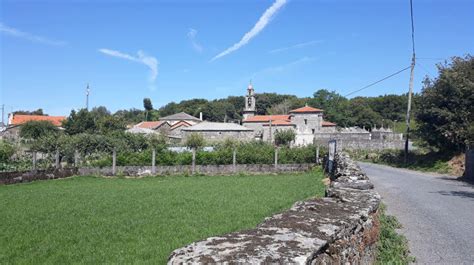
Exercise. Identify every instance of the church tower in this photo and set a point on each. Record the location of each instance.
(250, 109)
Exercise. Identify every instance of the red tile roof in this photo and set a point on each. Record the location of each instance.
(280, 123)
(328, 124)
(266, 118)
(306, 109)
(150, 124)
(179, 124)
(20, 119)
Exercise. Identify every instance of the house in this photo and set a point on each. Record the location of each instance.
(15, 121)
(305, 121)
(171, 125)
(219, 131)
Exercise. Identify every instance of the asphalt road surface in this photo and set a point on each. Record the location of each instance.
(437, 212)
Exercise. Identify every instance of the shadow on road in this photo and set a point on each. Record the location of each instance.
(464, 194)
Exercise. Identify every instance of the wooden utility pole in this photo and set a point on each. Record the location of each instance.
(410, 92)
(410, 89)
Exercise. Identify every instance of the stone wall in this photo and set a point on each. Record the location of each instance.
(341, 228)
(217, 136)
(469, 167)
(27, 176)
(200, 169)
(365, 144)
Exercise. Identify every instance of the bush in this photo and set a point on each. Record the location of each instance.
(6, 151)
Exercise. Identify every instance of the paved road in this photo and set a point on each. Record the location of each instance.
(437, 213)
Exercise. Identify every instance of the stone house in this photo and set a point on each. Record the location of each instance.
(305, 121)
(15, 121)
(219, 131)
(171, 125)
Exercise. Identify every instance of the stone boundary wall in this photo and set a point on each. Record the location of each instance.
(200, 169)
(365, 144)
(27, 176)
(341, 228)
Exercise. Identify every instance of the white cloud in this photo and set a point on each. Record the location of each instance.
(28, 36)
(297, 46)
(257, 28)
(284, 67)
(149, 61)
(192, 36)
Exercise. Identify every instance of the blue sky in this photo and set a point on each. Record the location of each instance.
(175, 50)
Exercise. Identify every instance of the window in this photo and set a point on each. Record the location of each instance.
(313, 130)
(305, 122)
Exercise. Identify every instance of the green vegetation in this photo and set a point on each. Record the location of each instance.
(195, 141)
(37, 129)
(96, 220)
(417, 160)
(446, 115)
(392, 248)
(284, 137)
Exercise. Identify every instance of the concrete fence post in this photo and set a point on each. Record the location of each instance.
(194, 161)
(56, 165)
(34, 160)
(317, 154)
(276, 158)
(76, 158)
(153, 161)
(114, 162)
(234, 160)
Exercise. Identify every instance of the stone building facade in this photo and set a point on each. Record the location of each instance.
(219, 131)
(310, 127)
(305, 122)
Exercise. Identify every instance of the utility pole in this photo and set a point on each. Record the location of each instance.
(87, 96)
(410, 89)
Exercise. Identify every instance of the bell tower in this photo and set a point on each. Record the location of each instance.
(250, 109)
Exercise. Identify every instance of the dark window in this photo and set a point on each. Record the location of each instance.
(313, 130)
(305, 121)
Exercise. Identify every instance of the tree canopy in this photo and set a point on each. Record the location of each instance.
(446, 112)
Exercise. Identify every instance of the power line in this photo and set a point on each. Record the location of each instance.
(430, 58)
(425, 69)
(378, 81)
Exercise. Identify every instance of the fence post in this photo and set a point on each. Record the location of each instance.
(317, 154)
(114, 162)
(153, 162)
(76, 158)
(276, 158)
(234, 160)
(57, 159)
(34, 160)
(194, 161)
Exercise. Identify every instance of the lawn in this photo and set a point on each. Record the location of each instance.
(116, 220)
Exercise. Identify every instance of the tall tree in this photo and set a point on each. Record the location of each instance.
(446, 113)
(148, 107)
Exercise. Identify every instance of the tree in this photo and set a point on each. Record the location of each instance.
(98, 120)
(6, 151)
(148, 107)
(195, 141)
(446, 113)
(284, 137)
(37, 129)
(26, 112)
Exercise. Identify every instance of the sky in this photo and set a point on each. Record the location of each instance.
(175, 50)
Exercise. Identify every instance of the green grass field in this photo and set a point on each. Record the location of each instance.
(98, 220)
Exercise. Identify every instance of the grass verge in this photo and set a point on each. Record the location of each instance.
(392, 247)
(421, 161)
(118, 220)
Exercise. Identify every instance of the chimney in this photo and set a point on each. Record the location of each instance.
(200, 115)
